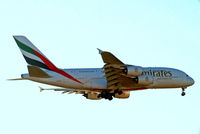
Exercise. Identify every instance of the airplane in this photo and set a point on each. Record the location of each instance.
(115, 80)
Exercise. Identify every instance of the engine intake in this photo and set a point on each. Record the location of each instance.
(133, 70)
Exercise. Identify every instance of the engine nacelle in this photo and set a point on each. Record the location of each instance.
(92, 96)
(124, 95)
(145, 80)
(133, 70)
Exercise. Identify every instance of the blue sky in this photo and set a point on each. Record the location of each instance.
(146, 33)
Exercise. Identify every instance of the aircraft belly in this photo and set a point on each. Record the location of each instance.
(96, 83)
(165, 83)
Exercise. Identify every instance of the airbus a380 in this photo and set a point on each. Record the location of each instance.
(116, 79)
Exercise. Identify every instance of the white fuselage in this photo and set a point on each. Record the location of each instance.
(93, 78)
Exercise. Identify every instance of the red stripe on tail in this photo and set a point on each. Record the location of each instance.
(54, 68)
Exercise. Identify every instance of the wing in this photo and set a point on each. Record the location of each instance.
(109, 58)
(69, 91)
(89, 94)
(114, 72)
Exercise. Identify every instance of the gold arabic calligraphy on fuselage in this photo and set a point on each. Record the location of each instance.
(158, 73)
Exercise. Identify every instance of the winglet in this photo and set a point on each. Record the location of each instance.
(100, 51)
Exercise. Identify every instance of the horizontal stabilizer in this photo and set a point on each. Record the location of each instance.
(37, 72)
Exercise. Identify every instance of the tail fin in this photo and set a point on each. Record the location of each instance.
(32, 55)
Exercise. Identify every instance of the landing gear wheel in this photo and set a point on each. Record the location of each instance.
(110, 98)
(106, 95)
(183, 93)
(99, 96)
(118, 91)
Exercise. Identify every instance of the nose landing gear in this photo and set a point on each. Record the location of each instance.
(183, 92)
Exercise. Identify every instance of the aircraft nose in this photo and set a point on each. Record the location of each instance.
(190, 81)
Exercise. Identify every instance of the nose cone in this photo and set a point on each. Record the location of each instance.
(190, 81)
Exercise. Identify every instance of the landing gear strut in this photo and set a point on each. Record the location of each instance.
(183, 92)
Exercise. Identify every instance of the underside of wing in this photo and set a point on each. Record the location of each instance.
(16, 79)
(116, 78)
(114, 71)
(93, 95)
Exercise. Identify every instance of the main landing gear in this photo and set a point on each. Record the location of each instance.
(108, 95)
(183, 92)
(117, 91)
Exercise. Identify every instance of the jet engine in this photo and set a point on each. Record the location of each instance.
(92, 96)
(134, 71)
(124, 95)
(145, 80)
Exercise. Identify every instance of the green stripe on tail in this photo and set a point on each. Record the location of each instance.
(25, 48)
